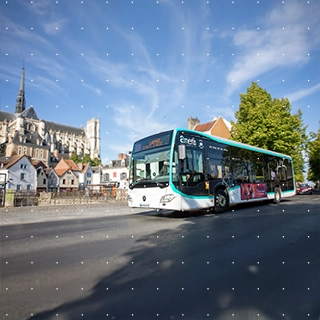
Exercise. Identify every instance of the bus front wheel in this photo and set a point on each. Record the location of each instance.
(277, 195)
(220, 201)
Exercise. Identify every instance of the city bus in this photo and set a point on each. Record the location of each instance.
(186, 170)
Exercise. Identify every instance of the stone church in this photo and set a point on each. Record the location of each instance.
(23, 132)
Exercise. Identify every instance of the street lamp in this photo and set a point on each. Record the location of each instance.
(3, 184)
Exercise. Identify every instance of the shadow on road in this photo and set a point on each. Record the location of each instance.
(196, 272)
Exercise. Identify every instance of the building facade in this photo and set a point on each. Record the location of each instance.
(20, 174)
(117, 170)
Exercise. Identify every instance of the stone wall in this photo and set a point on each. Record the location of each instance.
(65, 198)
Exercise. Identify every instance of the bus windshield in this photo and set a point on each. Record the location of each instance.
(150, 161)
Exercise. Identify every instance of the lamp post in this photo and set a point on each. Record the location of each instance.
(3, 184)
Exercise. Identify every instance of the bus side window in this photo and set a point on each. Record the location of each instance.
(212, 170)
(282, 173)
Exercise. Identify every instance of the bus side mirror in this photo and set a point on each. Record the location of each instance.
(182, 151)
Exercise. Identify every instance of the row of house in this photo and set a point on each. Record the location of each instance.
(20, 173)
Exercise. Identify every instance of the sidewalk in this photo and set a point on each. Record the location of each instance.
(18, 215)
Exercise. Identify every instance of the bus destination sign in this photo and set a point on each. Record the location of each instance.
(161, 139)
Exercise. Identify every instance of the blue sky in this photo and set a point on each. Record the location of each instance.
(144, 66)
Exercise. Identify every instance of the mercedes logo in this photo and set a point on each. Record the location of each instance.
(144, 198)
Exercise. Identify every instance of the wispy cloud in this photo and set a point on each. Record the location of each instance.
(54, 26)
(16, 32)
(137, 124)
(284, 38)
(295, 96)
(94, 89)
(39, 7)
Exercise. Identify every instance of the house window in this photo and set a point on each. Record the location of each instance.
(19, 187)
(44, 181)
(72, 182)
(88, 175)
(28, 186)
(41, 153)
(88, 181)
(20, 150)
(22, 176)
(25, 150)
(64, 181)
(37, 153)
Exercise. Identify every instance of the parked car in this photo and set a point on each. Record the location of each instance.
(304, 189)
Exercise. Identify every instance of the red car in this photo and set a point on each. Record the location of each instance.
(304, 189)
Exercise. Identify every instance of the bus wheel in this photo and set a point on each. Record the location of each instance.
(277, 195)
(220, 201)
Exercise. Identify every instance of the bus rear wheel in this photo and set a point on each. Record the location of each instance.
(220, 201)
(277, 195)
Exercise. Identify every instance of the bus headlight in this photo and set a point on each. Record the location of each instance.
(167, 198)
(129, 198)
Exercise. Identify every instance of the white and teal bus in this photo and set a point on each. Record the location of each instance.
(187, 170)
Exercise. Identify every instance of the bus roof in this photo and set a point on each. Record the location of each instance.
(234, 143)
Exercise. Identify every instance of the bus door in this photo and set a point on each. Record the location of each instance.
(192, 172)
(282, 172)
(217, 159)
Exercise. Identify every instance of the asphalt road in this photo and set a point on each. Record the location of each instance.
(253, 262)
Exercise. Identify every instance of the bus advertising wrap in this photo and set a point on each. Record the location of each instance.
(253, 190)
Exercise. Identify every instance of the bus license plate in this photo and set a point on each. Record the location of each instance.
(144, 205)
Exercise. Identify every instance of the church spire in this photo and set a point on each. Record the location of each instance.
(21, 101)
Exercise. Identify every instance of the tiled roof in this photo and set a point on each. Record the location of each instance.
(8, 162)
(7, 116)
(38, 164)
(64, 128)
(84, 167)
(30, 113)
(61, 168)
(31, 138)
(205, 126)
(71, 165)
(61, 172)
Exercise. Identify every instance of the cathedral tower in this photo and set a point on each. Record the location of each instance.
(93, 136)
(21, 101)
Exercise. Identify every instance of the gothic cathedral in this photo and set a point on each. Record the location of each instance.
(23, 132)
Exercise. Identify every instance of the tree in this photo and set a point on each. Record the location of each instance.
(314, 157)
(95, 162)
(268, 123)
(75, 158)
(85, 159)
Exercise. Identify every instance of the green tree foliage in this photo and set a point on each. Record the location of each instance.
(75, 158)
(268, 123)
(85, 159)
(314, 157)
(95, 162)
